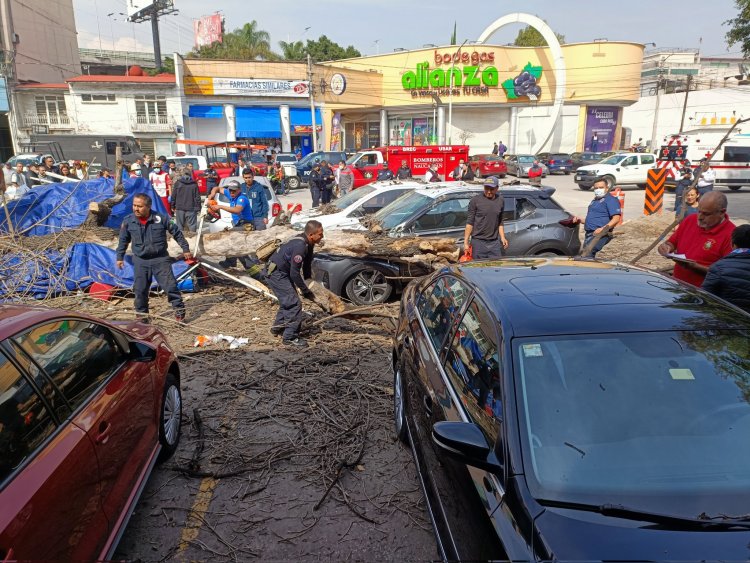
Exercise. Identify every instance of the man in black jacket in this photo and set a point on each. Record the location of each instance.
(286, 271)
(148, 233)
(326, 190)
(186, 201)
(729, 277)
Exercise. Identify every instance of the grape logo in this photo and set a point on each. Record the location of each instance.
(525, 84)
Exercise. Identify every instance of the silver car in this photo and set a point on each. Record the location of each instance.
(519, 164)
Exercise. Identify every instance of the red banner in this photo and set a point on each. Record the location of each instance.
(207, 30)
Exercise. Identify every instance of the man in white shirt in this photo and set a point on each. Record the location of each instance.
(432, 174)
(707, 177)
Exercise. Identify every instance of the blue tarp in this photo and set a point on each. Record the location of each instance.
(50, 209)
(57, 273)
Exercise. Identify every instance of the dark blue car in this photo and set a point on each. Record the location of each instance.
(556, 162)
(576, 410)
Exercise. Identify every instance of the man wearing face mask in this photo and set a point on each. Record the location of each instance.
(344, 179)
(604, 211)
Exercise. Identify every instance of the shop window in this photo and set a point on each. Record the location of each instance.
(360, 135)
(412, 131)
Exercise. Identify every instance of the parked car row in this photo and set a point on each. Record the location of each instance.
(535, 224)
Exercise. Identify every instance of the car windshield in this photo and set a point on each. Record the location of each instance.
(614, 159)
(634, 418)
(524, 158)
(286, 158)
(401, 209)
(305, 159)
(352, 158)
(344, 202)
(258, 159)
(490, 157)
(184, 161)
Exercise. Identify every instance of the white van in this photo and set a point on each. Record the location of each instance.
(731, 163)
(618, 169)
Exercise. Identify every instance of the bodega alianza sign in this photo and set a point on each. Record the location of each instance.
(468, 73)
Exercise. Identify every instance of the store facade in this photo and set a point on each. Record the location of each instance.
(533, 99)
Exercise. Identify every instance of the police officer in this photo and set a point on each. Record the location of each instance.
(148, 233)
(258, 201)
(286, 272)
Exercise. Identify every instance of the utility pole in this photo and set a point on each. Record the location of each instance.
(155, 36)
(312, 104)
(684, 105)
(659, 85)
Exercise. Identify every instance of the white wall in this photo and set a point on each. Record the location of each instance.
(488, 126)
(533, 121)
(719, 102)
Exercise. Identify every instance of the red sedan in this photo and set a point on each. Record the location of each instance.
(484, 165)
(87, 407)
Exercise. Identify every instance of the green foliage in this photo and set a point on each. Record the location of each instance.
(167, 66)
(293, 51)
(326, 50)
(739, 31)
(245, 43)
(530, 37)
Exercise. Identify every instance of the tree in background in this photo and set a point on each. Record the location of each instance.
(245, 43)
(326, 50)
(530, 37)
(293, 51)
(739, 31)
(167, 67)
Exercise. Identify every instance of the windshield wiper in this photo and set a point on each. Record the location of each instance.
(702, 522)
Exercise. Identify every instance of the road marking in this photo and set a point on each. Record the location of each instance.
(195, 518)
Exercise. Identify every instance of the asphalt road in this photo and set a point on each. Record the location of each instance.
(576, 200)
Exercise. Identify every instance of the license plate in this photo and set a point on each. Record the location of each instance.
(577, 178)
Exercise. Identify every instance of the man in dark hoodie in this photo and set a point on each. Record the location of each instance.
(729, 277)
(185, 200)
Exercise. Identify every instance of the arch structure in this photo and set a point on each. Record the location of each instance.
(557, 57)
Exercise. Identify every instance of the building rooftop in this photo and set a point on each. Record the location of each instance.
(158, 79)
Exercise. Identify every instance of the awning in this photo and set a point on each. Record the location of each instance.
(303, 116)
(215, 112)
(258, 122)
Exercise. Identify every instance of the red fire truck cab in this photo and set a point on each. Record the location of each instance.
(366, 164)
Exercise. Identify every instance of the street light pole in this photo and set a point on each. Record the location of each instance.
(450, 98)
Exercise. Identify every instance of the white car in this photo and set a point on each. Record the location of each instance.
(356, 204)
(225, 223)
(620, 168)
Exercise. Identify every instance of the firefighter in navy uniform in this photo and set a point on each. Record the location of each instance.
(286, 272)
(148, 233)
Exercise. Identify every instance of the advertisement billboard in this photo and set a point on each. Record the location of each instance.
(133, 8)
(207, 30)
(601, 125)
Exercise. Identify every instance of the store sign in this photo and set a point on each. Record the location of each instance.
(266, 87)
(4, 106)
(525, 84)
(460, 78)
(338, 84)
(305, 129)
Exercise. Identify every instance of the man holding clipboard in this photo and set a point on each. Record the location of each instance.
(700, 239)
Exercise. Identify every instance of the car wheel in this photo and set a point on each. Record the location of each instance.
(735, 188)
(610, 182)
(567, 172)
(368, 287)
(292, 182)
(399, 408)
(170, 418)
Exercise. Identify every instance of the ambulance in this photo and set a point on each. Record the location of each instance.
(731, 163)
(367, 164)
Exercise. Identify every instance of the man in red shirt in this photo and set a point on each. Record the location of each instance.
(702, 238)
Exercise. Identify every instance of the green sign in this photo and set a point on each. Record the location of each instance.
(456, 76)
(525, 84)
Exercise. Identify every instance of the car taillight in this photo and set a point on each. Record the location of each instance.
(551, 162)
(276, 209)
(569, 222)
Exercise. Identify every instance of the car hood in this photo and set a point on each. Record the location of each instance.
(333, 221)
(574, 535)
(598, 166)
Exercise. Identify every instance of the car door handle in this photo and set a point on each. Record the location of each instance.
(427, 402)
(103, 435)
(534, 227)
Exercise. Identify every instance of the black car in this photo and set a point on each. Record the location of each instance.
(576, 411)
(534, 224)
(583, 158)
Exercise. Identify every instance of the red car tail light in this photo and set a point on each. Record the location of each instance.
(551, 161)
(276, 209)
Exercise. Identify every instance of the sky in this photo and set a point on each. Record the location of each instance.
(411, 24)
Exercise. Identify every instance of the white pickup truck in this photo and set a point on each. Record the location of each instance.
(618, 169)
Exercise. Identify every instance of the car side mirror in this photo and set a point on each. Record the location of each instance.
(465, 442)
(140, 352)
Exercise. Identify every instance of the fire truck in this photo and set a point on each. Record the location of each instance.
(731, 163)
(366, 164)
